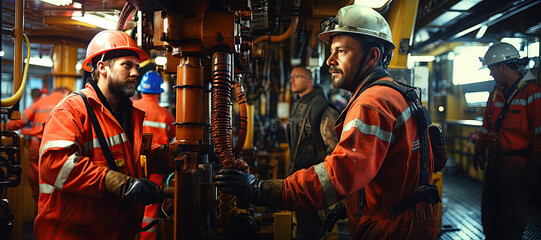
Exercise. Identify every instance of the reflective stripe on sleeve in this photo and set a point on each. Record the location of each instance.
(149, 220)
(46, 188)
(533, 97)
(66, 170)
(483, 130)
(326, 184)
(537, 130)
(58, 144)
(155, 124)
(404, 117)
(381, 134)
(25, 119)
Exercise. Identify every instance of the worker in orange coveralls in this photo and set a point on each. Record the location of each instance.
(509, 143)
(37, 114)
(376, 166)
(90, 172)
(159, 122)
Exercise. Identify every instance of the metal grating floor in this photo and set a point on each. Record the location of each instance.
(462, 210)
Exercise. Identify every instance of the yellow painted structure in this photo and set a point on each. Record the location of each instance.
(64, 59)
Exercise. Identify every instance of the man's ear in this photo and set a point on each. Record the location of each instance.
(374, 54)
(101, 67)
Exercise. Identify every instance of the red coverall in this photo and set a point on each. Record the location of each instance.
(73, 202)
(37, 113)
(510, 158)
(379, 151)
(159, 122)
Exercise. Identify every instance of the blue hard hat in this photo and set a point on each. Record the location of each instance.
(151, 83)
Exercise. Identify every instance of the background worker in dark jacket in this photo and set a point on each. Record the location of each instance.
(311, 137)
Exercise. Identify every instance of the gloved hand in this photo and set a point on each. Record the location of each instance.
(126, 188)
(335, 214)
(479, 159)
(238, 183)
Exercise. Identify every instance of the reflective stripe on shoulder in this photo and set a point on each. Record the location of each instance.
(381, 134)
(404, 117)
(155, 124)
(59, 144)
(483, 130)
(111, 141)
(499, 104)
(66, 169)
(46, 188)
(326, 184)
(537, 130)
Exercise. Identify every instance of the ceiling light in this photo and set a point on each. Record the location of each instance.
(44, 62)
(482, 31)
(58, 2)
(102, 21)
(160, 61)
(2, 53)
(422, 58)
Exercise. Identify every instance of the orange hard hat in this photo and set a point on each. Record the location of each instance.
(111, 40)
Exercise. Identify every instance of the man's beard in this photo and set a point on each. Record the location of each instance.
(121, 88)
(341, 81)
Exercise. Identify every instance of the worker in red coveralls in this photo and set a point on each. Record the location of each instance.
(36, 115)
(159, 122)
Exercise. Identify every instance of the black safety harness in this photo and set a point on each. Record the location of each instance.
(99, 133)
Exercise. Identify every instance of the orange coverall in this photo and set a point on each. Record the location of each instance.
(379, 151)
(73, 202)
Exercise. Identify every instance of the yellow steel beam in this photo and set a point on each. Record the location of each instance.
(402, 15)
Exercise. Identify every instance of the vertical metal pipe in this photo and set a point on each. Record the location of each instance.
(192, 135)
(18, 51)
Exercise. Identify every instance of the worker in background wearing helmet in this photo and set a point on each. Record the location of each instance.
(159, 122)
(375, 166)
(91, 179)
(36, 115)
(509, 143)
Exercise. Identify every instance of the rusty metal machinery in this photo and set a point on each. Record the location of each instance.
(207, 45)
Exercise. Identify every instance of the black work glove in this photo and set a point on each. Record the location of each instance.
(335, 214)
(143, 191)
(479, 159)
(126, 188)
(238, 183)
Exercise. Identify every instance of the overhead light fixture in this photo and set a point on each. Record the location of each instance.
(2, 53)
(482, 31)
(105, 21)
(422, 58)
(44, 62)
(378, 5)
(58, 2)
(160, 60)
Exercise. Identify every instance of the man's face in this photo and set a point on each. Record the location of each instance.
(300, 80)
(496, 71)
(344, 62)
(123, 76)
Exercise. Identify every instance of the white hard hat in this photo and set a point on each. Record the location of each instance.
(499, 52)
(357, 19)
